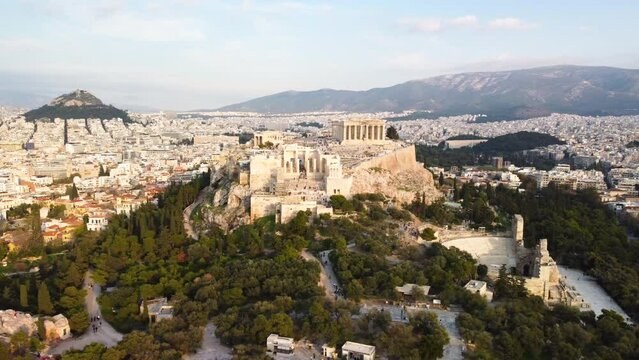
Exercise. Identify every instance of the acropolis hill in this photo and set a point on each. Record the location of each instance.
(283, 173)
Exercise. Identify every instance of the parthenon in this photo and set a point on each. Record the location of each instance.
(357, 131)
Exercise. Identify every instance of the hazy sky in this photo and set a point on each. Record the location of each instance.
(203, 54)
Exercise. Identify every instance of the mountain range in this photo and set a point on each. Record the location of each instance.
(516, 94)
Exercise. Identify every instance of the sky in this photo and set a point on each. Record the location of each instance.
(195, 54)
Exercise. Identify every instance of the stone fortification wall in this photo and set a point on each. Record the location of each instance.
(395, 161)
(396, 174)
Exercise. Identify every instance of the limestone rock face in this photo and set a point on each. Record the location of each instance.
(12, 321)
(401, 185)
(229, 206)
(397, 175)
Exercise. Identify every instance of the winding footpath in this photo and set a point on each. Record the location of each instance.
(105, 334)
(328, 280)
(188, 224)
(212, 348)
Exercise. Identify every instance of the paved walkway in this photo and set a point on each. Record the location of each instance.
(455, 347)
(448, 320)
(591, 291)
(188, 224)
(105, 334)
(328, 280)
(212, 348)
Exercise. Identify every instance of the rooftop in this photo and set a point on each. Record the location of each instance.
(407, 289)
(475, 285)
(358, 348)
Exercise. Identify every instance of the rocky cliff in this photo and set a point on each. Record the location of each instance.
(397, 175)
(228, 206)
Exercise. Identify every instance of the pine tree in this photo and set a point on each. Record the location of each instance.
(24, 296)
(72, 191)
(455, 191)
(36, 241)
(392, 133)
(44, 299)
(73, 275)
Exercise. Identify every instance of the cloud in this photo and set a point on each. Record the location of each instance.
(409, 61)
(120, 19)
(468, 20)
(131, 27)
(287, 7)
(511, 23)
(430, 25)
(433, 25)
(22, 44)
(421, 25)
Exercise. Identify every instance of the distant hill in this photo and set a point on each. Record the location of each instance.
(519, 141)
(466, 137)
(509, 146)
(516, 94)
(79, 104)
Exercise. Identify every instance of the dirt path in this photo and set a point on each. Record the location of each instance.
(328, 280)
(454, 350)
(212, 348)
(188, 225)
(105, 333)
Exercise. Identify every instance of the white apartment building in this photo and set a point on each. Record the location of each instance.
(97, 222)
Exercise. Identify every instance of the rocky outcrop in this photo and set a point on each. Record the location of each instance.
(401, 185)
(76, 98)
(228, 206)
(397, 175)
(12, 321)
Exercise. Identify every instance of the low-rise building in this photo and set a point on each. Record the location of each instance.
(97, 222)
(276, 345)
(480, 288)
(57, 328)
(408, 291)
(266, 138)
(356, 351)
(157, 309)
(329, 352)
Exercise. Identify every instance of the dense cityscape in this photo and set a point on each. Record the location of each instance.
(56, 175)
